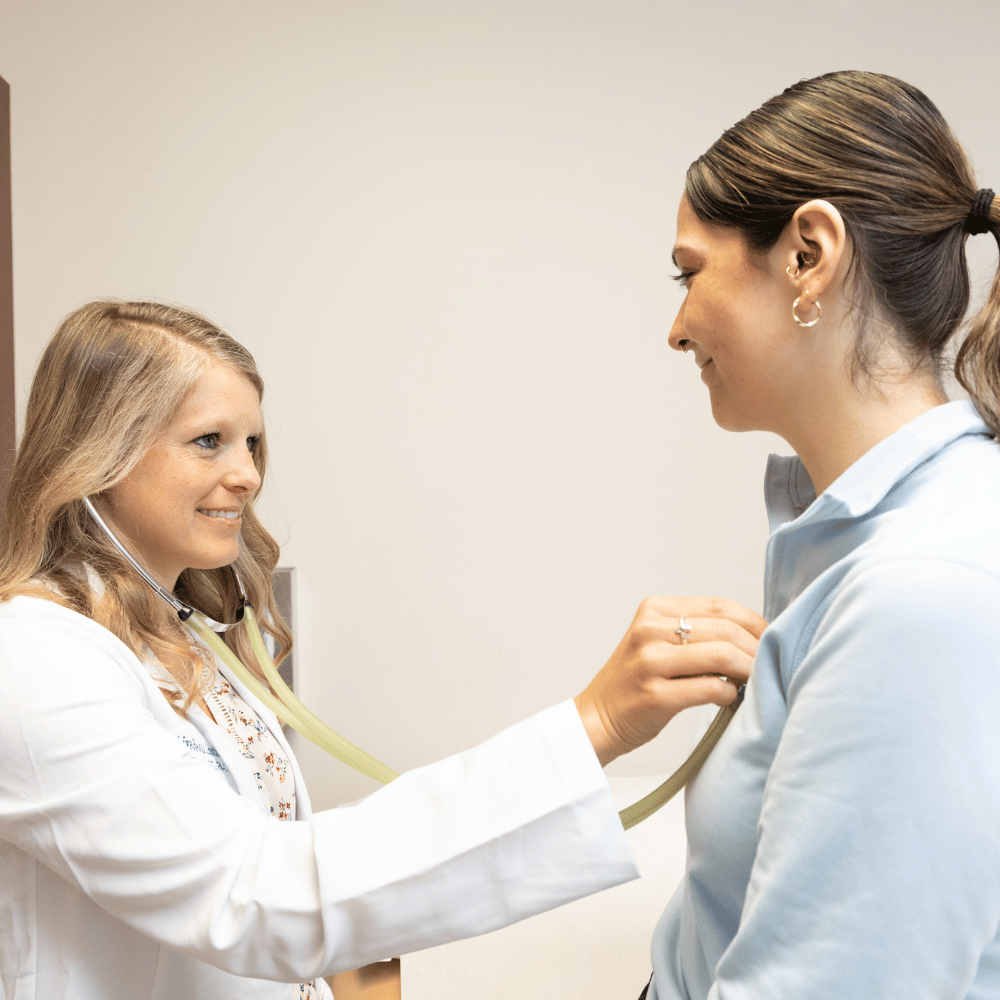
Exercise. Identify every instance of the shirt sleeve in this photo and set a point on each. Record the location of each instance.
(96, 789)
(877, 872)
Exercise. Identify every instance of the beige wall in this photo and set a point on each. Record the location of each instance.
(444, 228)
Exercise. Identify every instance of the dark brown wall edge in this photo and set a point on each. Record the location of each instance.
(7, 417)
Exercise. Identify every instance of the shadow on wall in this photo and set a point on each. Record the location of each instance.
(6, 296)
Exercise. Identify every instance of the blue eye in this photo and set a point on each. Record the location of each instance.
(252, 443)
(208, 441)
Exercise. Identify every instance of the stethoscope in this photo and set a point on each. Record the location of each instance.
(287, 707)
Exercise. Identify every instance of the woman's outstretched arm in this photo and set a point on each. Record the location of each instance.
(100, 786)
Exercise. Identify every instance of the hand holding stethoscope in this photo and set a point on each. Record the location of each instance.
(678, 652)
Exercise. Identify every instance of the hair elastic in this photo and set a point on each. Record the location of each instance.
(978, 220)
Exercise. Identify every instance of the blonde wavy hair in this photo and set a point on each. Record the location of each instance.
(106, 389)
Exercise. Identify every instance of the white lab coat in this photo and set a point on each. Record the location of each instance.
(132, 864)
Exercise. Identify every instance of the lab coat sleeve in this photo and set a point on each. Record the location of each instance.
(92, 786)
(876, 873)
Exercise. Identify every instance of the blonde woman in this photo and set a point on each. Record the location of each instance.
(156, 838)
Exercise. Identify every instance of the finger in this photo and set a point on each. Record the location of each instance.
(707, 607)
(699, 630)
(719, 608)
(688, 692)
(721, 659)
(703, 630)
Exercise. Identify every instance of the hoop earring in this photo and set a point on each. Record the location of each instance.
(788, 271)
(812, 322)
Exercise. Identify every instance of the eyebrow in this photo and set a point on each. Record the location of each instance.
(217, 423)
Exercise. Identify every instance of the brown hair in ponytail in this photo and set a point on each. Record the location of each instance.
(879, 151)
(977, 366)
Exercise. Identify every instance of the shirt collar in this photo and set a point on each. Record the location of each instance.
(789, 492)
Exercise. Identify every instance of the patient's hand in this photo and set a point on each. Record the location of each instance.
(652, 676)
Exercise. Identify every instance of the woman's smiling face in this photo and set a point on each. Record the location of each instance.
(181, 506)
(736, 321)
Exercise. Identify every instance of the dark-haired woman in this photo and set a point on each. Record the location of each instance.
(845, 834)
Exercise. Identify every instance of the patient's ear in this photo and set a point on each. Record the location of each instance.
(815, 246)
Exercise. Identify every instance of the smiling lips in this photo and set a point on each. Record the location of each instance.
(228, 515)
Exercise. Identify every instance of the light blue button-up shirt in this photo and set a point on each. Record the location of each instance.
(844, 836)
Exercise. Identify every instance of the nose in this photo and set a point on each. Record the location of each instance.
(242, 476)
(678, 337)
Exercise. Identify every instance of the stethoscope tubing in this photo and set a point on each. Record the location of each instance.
(283, 702)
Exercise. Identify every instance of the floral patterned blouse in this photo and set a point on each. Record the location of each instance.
(264, 755)
(262, 751)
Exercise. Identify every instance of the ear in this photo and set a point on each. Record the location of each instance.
(816, 243)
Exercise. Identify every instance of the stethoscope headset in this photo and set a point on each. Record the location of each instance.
(286, 706)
